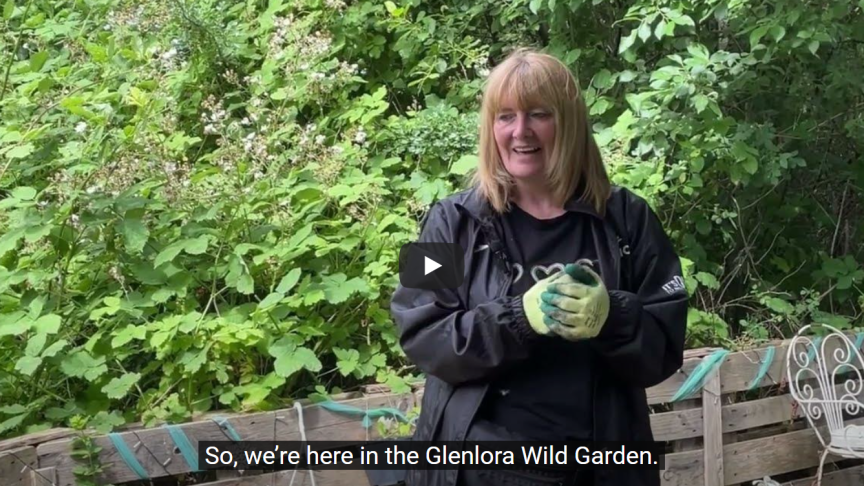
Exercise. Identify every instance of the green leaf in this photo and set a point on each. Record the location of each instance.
(8, 9)
(55, 348)
(751, 165)
(757, 34)
(48, 324)
(844, 282)
(777, 32)
(15, 327)
(13, 409)
(129, 333)
(28, 364)
(707, 280)
(603, 79)
(337, 287)
(813, 46)
(117, 388)
(9, 241)
(169, 253)
(193, 360)
(627, 41)
(20, 151)
(38, 60)
(24, 193)
(290, 358)
(104, 422)
(700, 101)
(464, 165)
(245, 284)
(35, 344)
(11, 423)
(659, 31)
(644, 31)
(535, 5)
(271, 300)
(779, 305)
(135, 233)
(289, 281)
(81, 365)
(348, 359)
(196, 246)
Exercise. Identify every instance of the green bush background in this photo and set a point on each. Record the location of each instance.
(202, 201)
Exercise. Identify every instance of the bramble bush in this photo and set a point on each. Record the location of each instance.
(203, 201)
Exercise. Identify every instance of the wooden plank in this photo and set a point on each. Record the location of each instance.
(16, 464)
(845, 477)
(35, 438)
(679, 424)
(301, 478)
(157, 451)
(753, 459)
(683, 469)
(713, 441)
(45, 476)
(687, 444)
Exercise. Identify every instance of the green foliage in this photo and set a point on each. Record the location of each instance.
(201, 202)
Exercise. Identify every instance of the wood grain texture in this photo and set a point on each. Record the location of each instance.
(678, 424)
(853, 476)
(46, 476)
(16, 465)
(713, 441)
(35, 438)
(159, 457)
(752, 459)
(300, 478)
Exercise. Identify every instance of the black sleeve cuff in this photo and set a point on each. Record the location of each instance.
(520, 326)
(624, 313)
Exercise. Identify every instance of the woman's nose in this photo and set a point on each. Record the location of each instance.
(523, 127)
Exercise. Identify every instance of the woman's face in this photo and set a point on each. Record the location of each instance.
(525, 139)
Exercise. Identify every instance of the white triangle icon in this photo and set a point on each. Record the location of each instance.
(429, 265)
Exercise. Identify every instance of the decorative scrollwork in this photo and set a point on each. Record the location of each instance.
(825, 378)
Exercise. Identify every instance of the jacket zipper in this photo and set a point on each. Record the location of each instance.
(508, 280)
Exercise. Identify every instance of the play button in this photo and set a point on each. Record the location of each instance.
(431, 266)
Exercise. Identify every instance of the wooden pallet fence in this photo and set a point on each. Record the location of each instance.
(717, 437)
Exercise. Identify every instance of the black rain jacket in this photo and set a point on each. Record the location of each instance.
(461, 338)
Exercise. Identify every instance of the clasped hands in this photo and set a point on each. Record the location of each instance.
(573, 304)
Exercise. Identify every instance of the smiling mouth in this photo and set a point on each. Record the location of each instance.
(527, 150)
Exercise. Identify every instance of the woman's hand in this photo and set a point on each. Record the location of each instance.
(532, 303)
(575, 308)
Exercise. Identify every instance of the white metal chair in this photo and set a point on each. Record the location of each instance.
(814, 367)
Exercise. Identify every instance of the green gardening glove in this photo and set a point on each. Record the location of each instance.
(576, 308)
(531, 302)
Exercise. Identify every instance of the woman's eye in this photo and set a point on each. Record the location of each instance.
(540, 114)
(505, 116)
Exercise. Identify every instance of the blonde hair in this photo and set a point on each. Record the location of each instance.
(535, 80)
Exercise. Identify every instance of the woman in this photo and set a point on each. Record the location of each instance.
(522, 349)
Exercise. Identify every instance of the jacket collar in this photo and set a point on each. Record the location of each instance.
(479, 208)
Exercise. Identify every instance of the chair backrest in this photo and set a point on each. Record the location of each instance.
(825, 378)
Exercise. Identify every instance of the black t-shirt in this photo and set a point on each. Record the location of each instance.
(549, 396)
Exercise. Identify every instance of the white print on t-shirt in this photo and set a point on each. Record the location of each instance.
(538, 272)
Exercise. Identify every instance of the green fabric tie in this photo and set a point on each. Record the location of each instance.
(127, 456)
(182, 442)
(367, 415)
(696, 380)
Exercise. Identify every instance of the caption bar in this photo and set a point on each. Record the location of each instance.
(399, 454)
